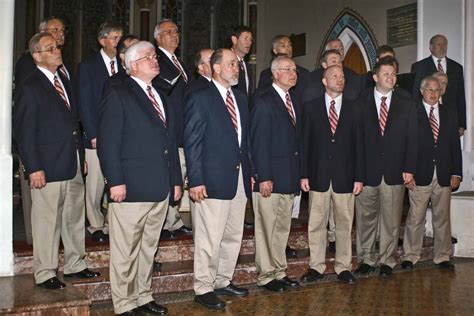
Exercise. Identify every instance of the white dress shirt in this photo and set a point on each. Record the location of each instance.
(107, 61)
(282, 95)
(443, 62)
(50, 77)
(337, 105)
(378, 100)
(143, 85)
(223, 92)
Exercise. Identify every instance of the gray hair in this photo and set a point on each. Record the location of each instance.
(108, 27)
(132, 52)
(34, 45)
(43, 26)
(278, 60)
(330, 41)
(426, 80)
(157, 31)
(277, 38)
(439, 74)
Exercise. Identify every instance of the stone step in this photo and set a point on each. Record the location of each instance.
(180, 249)
(20, 296)
(178, 276)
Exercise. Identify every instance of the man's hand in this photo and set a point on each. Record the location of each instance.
(178, 192)
(94, 143)
(357, 188)
(85, 169)
(461, 131)
(198, 193)
(266, 188)
(37, 179)
(304, 184)
(407, 177)
(411, 185)
(252, 183)
(455, 182)
(118, 193)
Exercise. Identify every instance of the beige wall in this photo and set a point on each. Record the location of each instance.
(314, 18)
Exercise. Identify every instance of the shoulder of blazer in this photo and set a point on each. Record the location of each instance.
(452, 63)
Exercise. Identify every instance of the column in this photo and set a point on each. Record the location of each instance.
(6, 162)
(145, 6)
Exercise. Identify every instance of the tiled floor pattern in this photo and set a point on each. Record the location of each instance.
(426, 291)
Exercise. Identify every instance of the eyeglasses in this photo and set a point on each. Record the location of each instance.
(114, 38)
(295, 70)
(147, 57)
(57, 30)
(49, 49)
(170, 32)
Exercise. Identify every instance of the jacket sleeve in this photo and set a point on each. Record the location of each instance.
(85, 102)
(411, 139)
(261, 141)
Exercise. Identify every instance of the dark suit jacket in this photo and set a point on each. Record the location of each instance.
(242, 85)
(134, 146)
(114, 80)
(199, 83)
(455, 96)
(314, 88)
(390, 155)
(337, 160)
(266, 81)
(46, 131)
(275, 142)
(91, 76)
(213, 154)
(174, 93)
(445, 154)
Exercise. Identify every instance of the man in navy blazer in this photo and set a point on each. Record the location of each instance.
(455, 96)
(46, 128)
(438, 172)
(175, 74)
(92, 74)
(390, 140)
(217, 156)
(333, 173)
(275, 140)
(139, 157)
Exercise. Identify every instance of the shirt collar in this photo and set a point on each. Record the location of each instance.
(167, 53)
(378, 95)
(47, 73)
(106, 58)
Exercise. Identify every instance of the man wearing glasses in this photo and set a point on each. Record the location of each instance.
(173, 71)
(139, 157)
(46, 128)
(93, 72)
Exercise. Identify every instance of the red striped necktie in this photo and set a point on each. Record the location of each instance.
(289, 108)
(155, 104)
(229, 102)
(63, 71)
(333, 118)
(112, 67)
(60, 91)
(178, 66)
(434, 124)
(440, 66)
(383, 114)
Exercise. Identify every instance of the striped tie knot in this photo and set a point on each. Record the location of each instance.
(60, 91)
(112, 67)
(333, 117)
(440, 66)
(180, 69)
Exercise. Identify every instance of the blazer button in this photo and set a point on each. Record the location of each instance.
(238, 167)
(166, 151)
(74, 133)
(296, 153)
(330, 157)
(333, 140)
(434, 160)
(105, 180)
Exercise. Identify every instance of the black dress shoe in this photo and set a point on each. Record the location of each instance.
(153, 308)
(364, 268)
(210, 300)
(445, 265)
(248, 225)
(454, 240)
(275, 286)
(167, 234)
(84, 274)
(290, 252)
(311, 276)
(232, 290)
(184, 230)
(289, 282)
(385, 271)
(332, 246)
(157, 266)
(52, 284)
(407, 265)
(131, 312)
(99, 236)
(346, 277)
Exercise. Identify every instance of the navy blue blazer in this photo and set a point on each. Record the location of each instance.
(332, 159)
(197, 84)
(174, 93)
(211, 147)
(445, 154)
(275, 142)
(266, 81)
(91, 76)
(455, 96)
(135, 148)
(46, 131)
(391, 155)
(242, 84)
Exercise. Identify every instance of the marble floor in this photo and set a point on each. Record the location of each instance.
(425, 291)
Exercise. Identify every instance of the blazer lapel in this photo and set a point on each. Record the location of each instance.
(282, 106)
(392, 111)
(145, 103)
(49, 87)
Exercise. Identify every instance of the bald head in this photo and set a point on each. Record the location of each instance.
(439, 46)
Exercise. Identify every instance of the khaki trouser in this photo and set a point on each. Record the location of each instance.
(133, 244)
(414, 227)
(218, 226)
(319, 204)
(272, 228)
(57, 213)
(95, 186)
(385, 203)
(173, 219)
